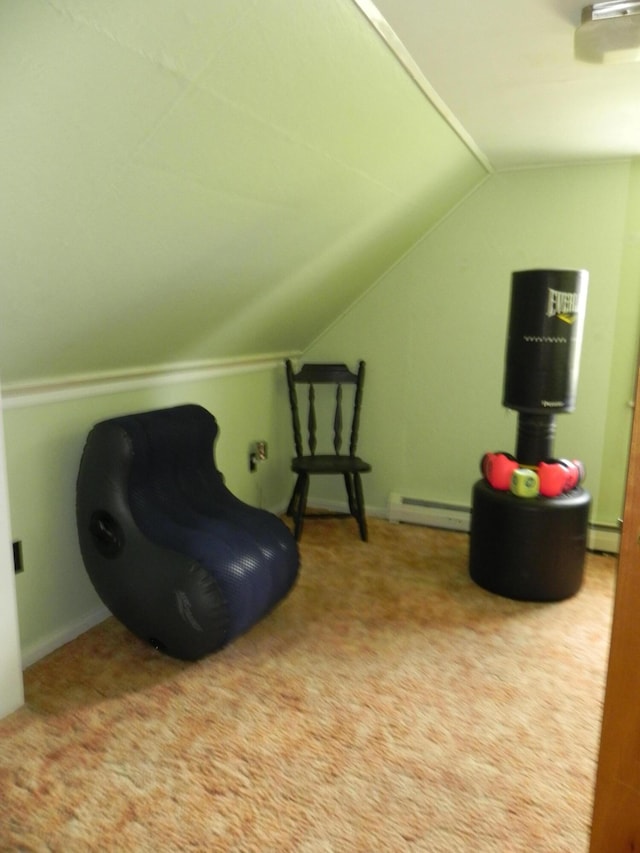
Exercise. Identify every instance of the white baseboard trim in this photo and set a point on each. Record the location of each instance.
(40, 649)
(600, 537)
(604, 537)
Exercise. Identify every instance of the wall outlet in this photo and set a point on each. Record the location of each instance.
(257, 453)
(18, 565)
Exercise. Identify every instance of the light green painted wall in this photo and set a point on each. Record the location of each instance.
(183, 179)
(44, 445)
(433, 334)
(187, 182)
(623, 361)
(432, 331)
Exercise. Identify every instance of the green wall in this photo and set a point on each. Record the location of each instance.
(433, 329)
(44, 442)
(211, 185)
(624, 358)
(185, 183)
(180, 179)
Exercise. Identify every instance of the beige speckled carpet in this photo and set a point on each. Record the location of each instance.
(388, 704)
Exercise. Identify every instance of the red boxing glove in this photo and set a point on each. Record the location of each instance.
(498, 469)
(573, 474)
(576, 473)
(555, 477)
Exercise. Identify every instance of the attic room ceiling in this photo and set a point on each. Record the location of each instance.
(506, 69)
(188, 180)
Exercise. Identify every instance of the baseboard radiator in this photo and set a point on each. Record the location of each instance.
(411, 510)
(428, 513)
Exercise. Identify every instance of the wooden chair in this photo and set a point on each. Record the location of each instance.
(322, 454)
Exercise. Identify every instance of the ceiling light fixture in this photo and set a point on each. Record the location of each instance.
(609, 32)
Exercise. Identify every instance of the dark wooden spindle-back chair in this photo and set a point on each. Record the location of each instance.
(314, 459)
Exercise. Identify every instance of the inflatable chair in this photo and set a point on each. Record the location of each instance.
(173, 554)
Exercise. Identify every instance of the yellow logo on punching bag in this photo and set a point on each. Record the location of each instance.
(565, 306)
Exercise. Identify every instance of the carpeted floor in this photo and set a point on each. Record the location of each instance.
(388, 704)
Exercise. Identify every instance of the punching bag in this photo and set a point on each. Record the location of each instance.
(528, 542)
(544, 340)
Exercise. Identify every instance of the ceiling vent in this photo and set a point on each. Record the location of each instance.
(609, 32)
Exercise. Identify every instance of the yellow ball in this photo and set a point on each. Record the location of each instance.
(525, 483)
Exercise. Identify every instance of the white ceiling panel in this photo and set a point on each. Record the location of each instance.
(507, 71)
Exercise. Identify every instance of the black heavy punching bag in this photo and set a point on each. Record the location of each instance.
(542, 358)
(544, 340)
(533, 548)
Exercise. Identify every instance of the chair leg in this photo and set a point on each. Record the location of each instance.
(302, 489)
(353, 507)
(295, 497)
(362, 521)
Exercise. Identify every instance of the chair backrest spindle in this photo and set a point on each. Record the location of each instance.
(355, 423)
(314, 375)
(295, 414)
(337, 421)
(312, 421)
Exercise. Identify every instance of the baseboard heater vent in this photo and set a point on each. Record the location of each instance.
(428, 513)
(604, 537)
(452, 517)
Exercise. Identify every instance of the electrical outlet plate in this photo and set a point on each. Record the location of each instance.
(17, 557)
(257, 453)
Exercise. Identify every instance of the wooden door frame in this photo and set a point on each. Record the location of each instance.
(11, 684)
(616, 812)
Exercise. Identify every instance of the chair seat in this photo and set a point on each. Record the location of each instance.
(329, 463)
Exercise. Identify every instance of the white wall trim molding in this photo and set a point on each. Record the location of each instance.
(42, 392)
(45, 646)
(402, 54)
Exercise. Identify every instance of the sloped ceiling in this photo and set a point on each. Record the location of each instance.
(507, 70)
(187, 180)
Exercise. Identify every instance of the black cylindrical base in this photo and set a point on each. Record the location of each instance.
(530, 549)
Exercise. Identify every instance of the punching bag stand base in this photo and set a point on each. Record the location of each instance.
(528, 549)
